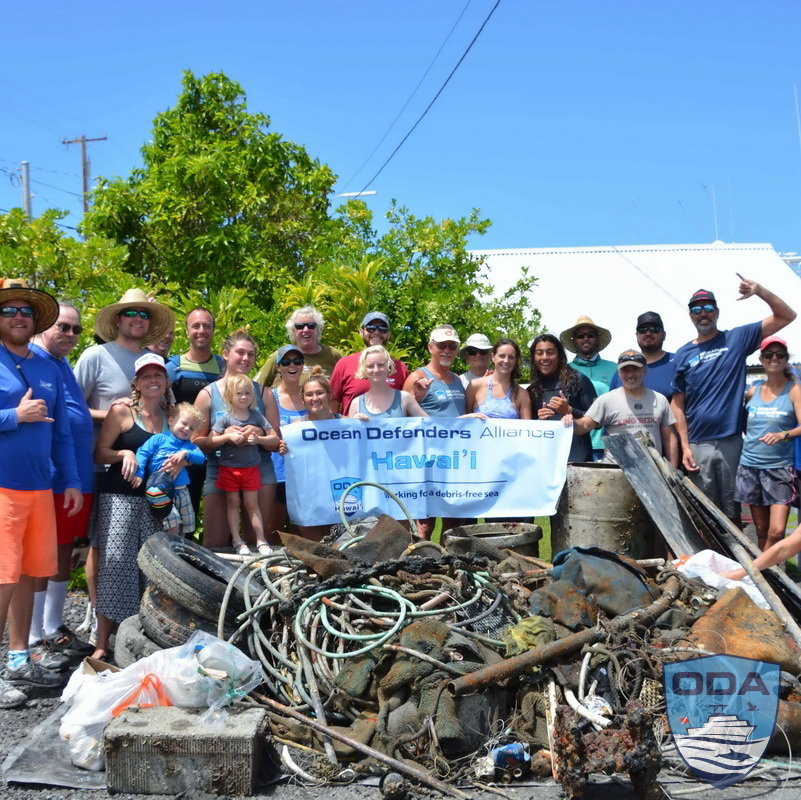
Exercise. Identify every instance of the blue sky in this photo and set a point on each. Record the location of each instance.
(568, 124)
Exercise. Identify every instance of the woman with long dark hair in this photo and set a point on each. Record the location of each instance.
(556, 389)
(499, 394)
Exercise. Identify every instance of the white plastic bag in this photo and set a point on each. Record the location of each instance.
(707, 566)
(206, 672)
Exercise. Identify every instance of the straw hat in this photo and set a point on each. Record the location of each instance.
(44, 305)
(566, 336)
(162, 319)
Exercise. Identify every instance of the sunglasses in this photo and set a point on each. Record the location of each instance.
(130, 313)
(9, 312)
(286, 361)
(65, 327)
(769, 354)
(585, 335)
(376, 328)
(446, 345)
(299, 326)
(649, 329)
(709, 308)
(474, 351)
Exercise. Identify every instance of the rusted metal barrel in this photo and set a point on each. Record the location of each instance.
(522, 537)
(599, 508)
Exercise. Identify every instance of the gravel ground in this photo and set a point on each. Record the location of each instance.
(15, 725)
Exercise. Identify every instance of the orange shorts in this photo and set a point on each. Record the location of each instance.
(68, 529)
(27, 534)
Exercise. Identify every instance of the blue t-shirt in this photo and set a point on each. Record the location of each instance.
(81, 425)
(151, 455)
(712, 377)
(34, 452)
(658, 378)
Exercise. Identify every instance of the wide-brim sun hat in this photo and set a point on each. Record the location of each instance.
(162, 320)
(566, 336)
(44, 305)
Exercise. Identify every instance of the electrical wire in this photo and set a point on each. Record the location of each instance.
(409, 98)
(435, 98)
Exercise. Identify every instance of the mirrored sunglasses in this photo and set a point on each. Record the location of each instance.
(376, 328)
(11, 311)
(130, 313)
(708, 307)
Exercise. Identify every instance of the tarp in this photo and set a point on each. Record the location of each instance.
(438, 467)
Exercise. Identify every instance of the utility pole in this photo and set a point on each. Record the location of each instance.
(82, 140)
(25, 171)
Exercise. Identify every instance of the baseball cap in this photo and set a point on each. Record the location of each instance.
(702, 296)
(768, 340)
(288, 348)
(148, 360)
(444, 333)
(631, 358)
(650, 318)
(371, 316)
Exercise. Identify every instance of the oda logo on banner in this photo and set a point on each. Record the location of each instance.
(353, 502)
(721, 711)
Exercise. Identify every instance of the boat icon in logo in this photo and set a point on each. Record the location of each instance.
(721, 711)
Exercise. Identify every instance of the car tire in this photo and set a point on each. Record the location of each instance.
(168, 623)
(193, 576)
(132, 643)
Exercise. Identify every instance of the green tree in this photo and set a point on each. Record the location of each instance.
(419, 271)
(219, 200)
(87, 273)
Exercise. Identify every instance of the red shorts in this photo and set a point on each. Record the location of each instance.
(27, 534)
(232, 479)
(68, 529)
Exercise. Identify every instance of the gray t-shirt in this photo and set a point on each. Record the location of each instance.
(234, 455)
(104, 372)
(620, 413)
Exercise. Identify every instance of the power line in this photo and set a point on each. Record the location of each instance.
(57, 188)
(409, 99)
(436, 96)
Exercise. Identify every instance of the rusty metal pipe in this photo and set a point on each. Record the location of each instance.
(503, 670)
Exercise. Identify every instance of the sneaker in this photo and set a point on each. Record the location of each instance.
(66, 642)
(31, 674)
(10, 696)
(47, 658)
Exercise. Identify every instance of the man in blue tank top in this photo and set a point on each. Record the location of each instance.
(709, 382)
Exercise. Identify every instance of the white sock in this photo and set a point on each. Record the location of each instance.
(54, 606)
(35, 633)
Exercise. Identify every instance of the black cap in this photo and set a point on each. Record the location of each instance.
(650, 318)
(702, 296)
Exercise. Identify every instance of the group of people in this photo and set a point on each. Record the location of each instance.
(137, 440)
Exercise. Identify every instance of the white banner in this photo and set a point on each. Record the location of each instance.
(439, 467)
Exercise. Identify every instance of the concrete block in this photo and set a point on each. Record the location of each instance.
(167, 750)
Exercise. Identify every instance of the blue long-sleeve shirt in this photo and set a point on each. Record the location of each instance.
(151, 455)
(36, 455)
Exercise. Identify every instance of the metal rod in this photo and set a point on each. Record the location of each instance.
(496, 673)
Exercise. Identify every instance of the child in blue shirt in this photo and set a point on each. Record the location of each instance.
(162, 453)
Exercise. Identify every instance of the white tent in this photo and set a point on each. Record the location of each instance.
(615, 284)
